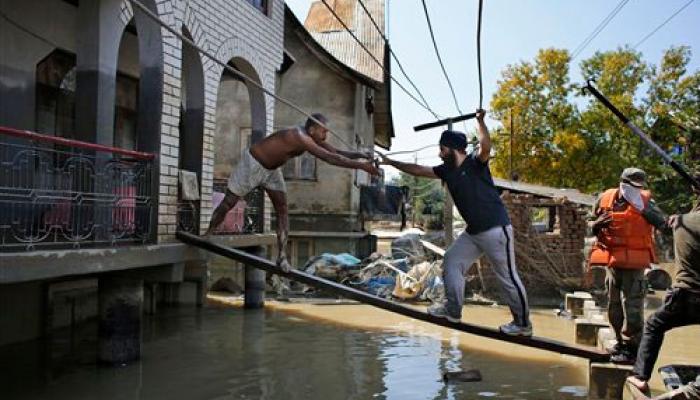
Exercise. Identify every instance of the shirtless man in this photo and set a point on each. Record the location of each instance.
(261, 167)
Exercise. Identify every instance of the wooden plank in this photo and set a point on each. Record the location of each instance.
(590, 353)
(435, 249)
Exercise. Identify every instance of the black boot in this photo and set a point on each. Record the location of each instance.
(625, 356)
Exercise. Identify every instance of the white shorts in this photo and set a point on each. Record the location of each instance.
(249, 174)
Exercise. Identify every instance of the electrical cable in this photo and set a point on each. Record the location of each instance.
(650, 34)
(437, 53)
(599, 28)
(373, 57)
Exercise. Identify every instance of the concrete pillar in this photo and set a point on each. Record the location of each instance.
(254, 295)
(120, 309)
(606, 381)
(151, 297)
(97, 56)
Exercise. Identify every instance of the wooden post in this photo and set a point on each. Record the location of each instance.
(447, 214)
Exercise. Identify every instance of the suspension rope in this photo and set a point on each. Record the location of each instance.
(478, 55)
(373, 57)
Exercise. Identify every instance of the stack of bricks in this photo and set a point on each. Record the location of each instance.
(560, 248)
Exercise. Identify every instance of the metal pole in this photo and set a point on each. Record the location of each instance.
(645, 138)
(510, 158)
(447, 214)
(415, 193)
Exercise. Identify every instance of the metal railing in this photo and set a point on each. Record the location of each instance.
(60, 193)
(247, 217)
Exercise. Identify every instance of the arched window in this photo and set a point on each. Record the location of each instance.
(55, 94)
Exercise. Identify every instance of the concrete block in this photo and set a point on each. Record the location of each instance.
(595, 313)
(587, 331)
(606, 381)
(574, 302)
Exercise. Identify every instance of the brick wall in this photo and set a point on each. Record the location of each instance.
(228, 29)
(547, 261)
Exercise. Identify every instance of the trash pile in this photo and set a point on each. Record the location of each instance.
(410, 273)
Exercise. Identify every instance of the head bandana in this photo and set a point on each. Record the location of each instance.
(633, 195)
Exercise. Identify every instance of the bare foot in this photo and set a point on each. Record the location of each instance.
(643, 386)
(283, 264)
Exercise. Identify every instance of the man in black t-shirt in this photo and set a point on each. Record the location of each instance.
(489, 231)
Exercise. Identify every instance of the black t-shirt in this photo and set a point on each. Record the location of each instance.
(474, 194)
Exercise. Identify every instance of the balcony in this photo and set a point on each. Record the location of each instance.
(57, 193)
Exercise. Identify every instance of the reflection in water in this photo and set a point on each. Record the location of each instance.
(234, 354)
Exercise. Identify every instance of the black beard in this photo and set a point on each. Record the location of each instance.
(450, 160)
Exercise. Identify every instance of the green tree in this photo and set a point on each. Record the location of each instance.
(427, 199)
(569, 139)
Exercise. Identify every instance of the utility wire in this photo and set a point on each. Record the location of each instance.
(437, 53)
(582, 46)
(394, 56)
(650, 34)
(381, 64)
(411, 151)
(478, 55)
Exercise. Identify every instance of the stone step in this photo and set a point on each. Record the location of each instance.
(587, 331)
(574, 302)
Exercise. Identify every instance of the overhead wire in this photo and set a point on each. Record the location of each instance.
(650, 34)
(437, 53)
(598, 29)
(394, 56)
(373, 57)
(393, 153)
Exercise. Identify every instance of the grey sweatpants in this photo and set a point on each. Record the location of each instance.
(498, 245)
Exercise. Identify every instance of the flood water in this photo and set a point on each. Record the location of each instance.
(306, 351)
(229, 353)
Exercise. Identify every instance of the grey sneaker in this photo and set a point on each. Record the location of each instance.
(439, 310)
(514, 329)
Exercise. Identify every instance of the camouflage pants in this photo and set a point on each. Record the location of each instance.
(626, 289)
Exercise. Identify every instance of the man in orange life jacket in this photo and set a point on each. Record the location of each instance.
(625, 220)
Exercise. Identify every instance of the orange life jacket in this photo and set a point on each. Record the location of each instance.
(626, 243)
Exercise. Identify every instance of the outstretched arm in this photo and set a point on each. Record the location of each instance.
(411, 169)
(484, 137)
(335, 158)
(353, 155)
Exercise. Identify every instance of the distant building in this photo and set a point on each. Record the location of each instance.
(325, 72)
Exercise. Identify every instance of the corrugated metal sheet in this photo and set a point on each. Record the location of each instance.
(545, 191)
(320, 19)
(333, 37)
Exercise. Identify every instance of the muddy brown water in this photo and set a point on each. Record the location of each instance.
(303, 351)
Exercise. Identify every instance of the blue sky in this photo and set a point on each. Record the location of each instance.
(512, 31)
